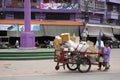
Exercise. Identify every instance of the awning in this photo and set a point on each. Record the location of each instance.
(98, 25)
(94, 29)
(107, 31)
(116, 31)
(116, 27)
(56, 30)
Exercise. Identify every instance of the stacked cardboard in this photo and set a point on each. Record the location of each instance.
(91, 47)
(57, 42)
(66, 42)
(65, 37)
(93, 57)
(75, 39)
(57, 53)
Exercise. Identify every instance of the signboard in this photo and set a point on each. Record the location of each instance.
(15, 27)
(35, 27)
(10, 27)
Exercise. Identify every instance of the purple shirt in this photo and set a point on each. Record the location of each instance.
(107, 54)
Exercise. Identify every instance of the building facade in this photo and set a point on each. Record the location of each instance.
(98, 11)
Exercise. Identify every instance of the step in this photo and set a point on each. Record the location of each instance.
(17, 54)
(26, 54)
(27, 58)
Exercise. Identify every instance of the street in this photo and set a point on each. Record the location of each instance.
(45, 70)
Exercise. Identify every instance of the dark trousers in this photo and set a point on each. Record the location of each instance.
(104, 64)
(101, 63)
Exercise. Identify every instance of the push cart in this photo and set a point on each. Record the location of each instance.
(74, 60)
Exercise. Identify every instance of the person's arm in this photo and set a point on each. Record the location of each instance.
(107, 51)
(96, 44)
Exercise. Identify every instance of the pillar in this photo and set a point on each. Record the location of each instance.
(27, 38)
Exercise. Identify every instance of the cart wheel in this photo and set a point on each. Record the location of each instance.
(84, 64)
(72, 67)
(57, 67)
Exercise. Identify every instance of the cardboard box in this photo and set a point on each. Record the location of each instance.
(93, 57)
(57, 44)
(75, 39)
(65, 37)
(58, 53)
(92, 49)
(57, 47)
(90, 43)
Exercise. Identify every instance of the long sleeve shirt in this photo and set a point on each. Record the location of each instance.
(107, 51)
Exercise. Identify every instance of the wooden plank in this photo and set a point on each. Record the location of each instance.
(62, 23)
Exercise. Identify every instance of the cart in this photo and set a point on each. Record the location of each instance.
(74, 60)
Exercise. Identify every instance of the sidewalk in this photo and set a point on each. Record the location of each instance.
(47, 67)
(27, 67)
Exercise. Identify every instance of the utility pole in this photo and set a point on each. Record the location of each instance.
(86, 19)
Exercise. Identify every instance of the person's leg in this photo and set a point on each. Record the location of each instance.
(106, 66)
(100, 64)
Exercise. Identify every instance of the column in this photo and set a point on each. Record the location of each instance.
(3, 3)
(27, 39)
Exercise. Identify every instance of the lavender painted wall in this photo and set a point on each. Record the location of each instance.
(94, 21)
(41, 16)
(112, 16)
(114, 1)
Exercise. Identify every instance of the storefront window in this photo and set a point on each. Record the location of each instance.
(118, 9)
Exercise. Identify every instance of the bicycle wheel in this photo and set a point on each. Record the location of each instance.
(84, 64)
(72, 67)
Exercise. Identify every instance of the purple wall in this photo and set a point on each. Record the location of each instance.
(73, 12)
(112, 16)
(114, 1)
(94, 21)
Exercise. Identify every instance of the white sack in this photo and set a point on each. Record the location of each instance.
(82, 47)
(70, 43)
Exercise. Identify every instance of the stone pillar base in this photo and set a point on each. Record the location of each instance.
(27, 40)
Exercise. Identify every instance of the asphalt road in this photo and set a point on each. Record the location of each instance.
(44, 70)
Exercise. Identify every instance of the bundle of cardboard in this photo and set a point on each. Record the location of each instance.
(66, 42)
(92, 48)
